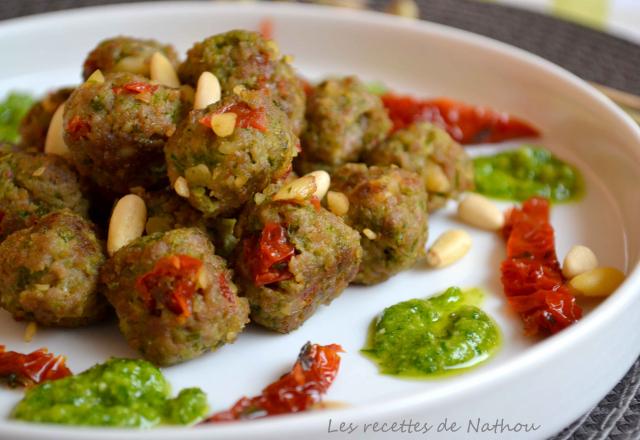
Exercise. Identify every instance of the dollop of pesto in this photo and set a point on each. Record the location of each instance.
(119, 392)
(435, 336)
(526, 172)
(12, 110)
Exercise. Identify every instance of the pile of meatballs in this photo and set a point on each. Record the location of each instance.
(258, 206)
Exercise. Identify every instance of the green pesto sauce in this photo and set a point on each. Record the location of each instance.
(525, 172)
(433, 337)
(120, 392)
(12, 110)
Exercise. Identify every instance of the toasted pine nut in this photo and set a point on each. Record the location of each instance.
(224, 124)
(161, 70)
(369, 234)
(96, 77)
(54, 143)
(478, 211)
(39, 172)
(204, 281)
(302, 188)
(30, 331)
(181, 186)
(207, 91)
(601, 281)
(136, 65)
(449, 248)
(198, 175)
(578, 260)
(436, 180)
(404, 8)
(323, 181)
(337, 203)
(127, 222)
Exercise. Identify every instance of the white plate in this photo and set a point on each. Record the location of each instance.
(547, 383)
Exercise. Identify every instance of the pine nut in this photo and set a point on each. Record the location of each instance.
(127, 222)
(337, 203)
(450, 247)
(161, 70)
(224, 124)
(136, 65)
(578, 260)
(54, 142)
(181, 187)
(207, 91)
(404, 8)
(323, 181)
(302, 188)
(478, 211)
(369, 234)
(95, 78)
(601, 281)
(30, 331)
(436, 180)
(204, 281)
(39, 172)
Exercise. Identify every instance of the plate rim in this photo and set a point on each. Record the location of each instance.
(542, 352)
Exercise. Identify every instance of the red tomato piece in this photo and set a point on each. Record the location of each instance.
(531, 274)
(135, 87)
(465, 123)
(246, 116)
(33, 368)
(78, 127)
(173, 281)
(298, 390)
(269, 254)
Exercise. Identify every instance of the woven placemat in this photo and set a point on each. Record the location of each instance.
(590, 54)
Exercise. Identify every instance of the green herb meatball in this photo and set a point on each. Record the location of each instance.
(445, 167)
(390, 205)
(116, 130)
(224, 172)
(32, 185)
(173, 296)
(35, 124)
(344, 121)
(49, 272)
(126, 54)
(246, 59)
(293, 256)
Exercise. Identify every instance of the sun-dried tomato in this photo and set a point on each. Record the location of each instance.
(78, 128)
(173, 282)
(135, 87)
(268, 255)
(531, 274)
(246, 116)
(33, 368)
(465, 123)
(311, 376)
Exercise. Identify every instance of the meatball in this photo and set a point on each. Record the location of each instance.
(174, 298)
(292, 258)
(246, 59)
(224, 172)
(32, 185)
(35, 124)
(390, 205)
(126, 54)
(344, 121)
(445, 167)
(49, 272)
(116, 130)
